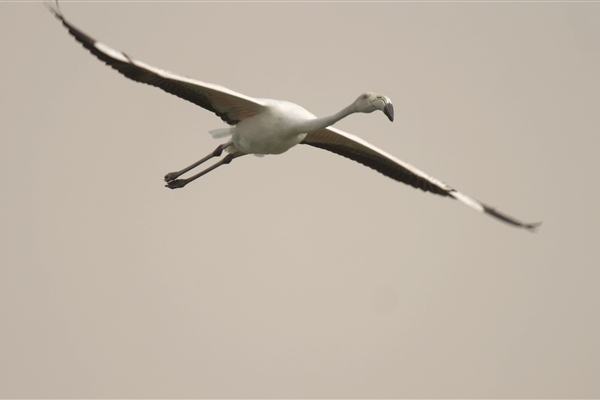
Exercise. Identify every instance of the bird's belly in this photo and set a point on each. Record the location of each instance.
(265, 137)
(266, 144)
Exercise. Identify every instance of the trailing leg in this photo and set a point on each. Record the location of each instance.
(179, 183)
(216, 153)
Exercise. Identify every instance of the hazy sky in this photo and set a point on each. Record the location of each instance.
(306, 274)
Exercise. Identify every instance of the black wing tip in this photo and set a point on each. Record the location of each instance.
(531, 227)
(54, 8)
(81, 37)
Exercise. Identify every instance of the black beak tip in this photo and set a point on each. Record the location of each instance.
(388, 110)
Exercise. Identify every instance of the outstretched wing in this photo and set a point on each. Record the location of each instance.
(357, 149)
(231, 106)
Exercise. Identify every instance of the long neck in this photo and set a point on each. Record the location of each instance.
(317, 124)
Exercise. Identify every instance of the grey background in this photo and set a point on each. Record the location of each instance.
(306, 274)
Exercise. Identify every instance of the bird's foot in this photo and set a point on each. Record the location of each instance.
(176, 184)
(171, 176)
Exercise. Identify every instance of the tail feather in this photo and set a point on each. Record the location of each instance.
(221, 133)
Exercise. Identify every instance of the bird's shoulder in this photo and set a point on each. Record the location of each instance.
(286, 109)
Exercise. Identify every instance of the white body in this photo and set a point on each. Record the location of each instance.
(275, 130)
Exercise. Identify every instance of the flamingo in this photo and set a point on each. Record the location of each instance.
(265, 126)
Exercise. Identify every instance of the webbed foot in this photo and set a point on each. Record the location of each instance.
(176, 184)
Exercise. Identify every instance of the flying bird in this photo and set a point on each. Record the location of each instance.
(265, 126)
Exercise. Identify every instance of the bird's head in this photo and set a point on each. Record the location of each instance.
(369, 102)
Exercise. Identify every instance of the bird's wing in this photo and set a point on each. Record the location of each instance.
(357, 149)
(231, 106)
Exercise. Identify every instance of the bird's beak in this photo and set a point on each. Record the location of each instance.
(388, 110)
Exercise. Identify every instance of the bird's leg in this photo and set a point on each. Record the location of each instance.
(179, 183)
(216, 153)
